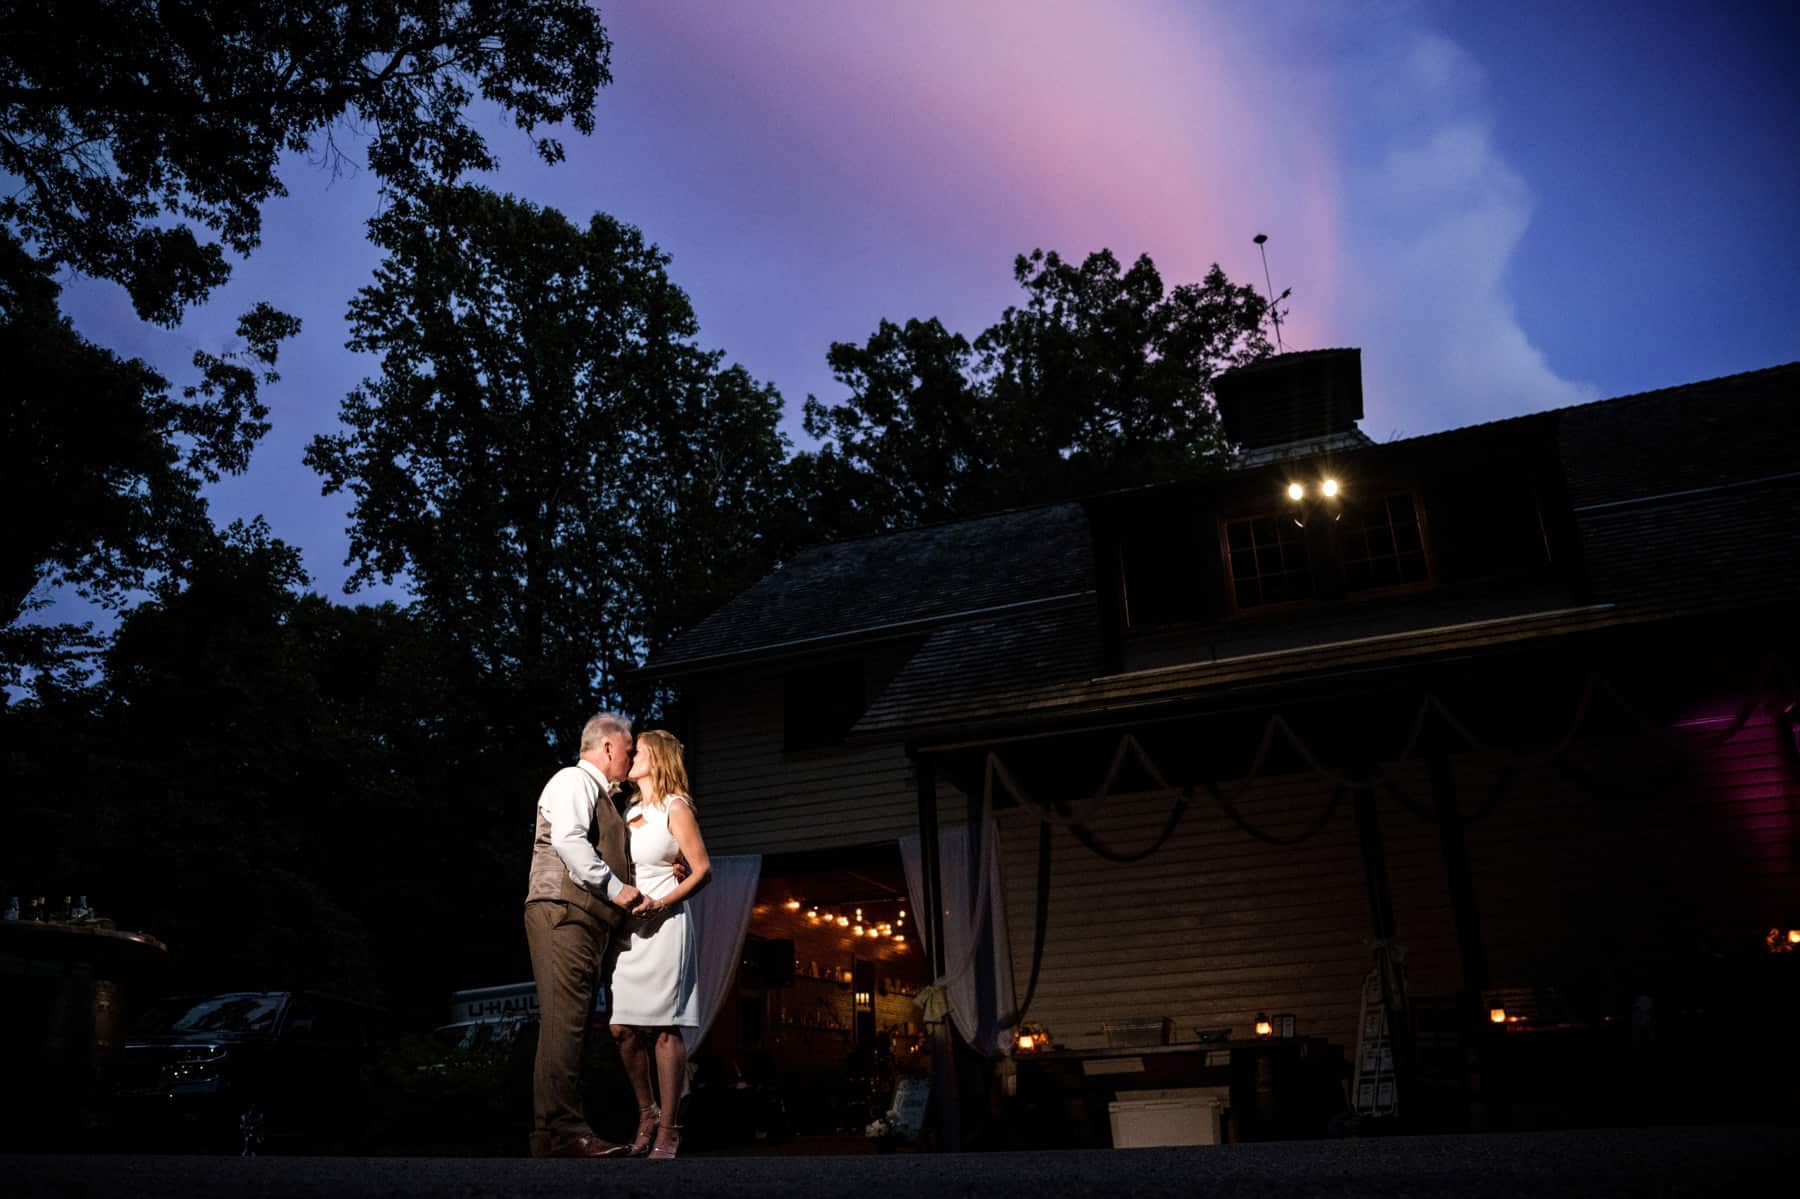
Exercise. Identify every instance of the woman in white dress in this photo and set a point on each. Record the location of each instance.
(654, 980)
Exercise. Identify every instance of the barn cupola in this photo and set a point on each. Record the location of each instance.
(1292, 405)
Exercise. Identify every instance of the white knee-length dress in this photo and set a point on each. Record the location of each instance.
(654, 981)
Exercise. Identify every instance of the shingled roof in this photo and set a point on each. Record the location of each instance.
(907, 580)
(1688, 498)
(1685, 500)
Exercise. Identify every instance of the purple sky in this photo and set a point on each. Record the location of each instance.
(1507, 207)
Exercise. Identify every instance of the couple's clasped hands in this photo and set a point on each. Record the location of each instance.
(643, 906)
(636, 903)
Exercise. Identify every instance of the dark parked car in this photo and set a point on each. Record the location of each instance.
(289, 1068)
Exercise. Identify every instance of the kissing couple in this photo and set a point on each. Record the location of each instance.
(617, 851)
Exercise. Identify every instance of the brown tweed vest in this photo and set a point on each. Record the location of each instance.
(549, 878)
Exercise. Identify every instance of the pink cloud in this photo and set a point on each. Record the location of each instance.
(1013, 124)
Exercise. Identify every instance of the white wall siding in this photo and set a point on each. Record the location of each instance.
(1210, 930)
(756, 798)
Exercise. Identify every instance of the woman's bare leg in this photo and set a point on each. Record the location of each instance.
(671, 1074)
(635, 1056)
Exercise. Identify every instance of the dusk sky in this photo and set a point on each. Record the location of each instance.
(1507, 207)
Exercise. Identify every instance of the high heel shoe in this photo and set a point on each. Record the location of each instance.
(649, 1119)
(668, 1143)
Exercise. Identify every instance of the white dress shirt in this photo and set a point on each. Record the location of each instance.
(568, 804)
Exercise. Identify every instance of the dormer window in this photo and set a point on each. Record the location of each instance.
(1324, 547)
(1268, 561)
(1381, 544)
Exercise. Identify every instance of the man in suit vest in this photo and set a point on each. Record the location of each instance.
(580, 888)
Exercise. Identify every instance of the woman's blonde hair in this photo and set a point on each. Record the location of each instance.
(668, 770)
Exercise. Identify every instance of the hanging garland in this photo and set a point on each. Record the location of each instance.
(1514, 767)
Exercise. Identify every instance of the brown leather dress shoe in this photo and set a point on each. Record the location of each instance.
(586, 1146)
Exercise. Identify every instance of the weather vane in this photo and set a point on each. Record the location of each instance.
(1274, 313)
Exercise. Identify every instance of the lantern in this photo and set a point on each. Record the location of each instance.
(1497, 1015)
(1264, 1029)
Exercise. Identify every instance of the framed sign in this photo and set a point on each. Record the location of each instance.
(910, 1098)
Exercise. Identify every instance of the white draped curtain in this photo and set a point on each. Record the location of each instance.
(718, 913)
(978, 959)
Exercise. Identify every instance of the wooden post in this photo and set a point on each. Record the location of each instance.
(943, 1045)
(1469, 942)
(1470, 945)
(1374, 859)
(1381, 920)
(979, 1102)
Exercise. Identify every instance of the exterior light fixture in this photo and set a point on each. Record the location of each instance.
(843, 922)
(1794, 936)
(1296, 492)
(1497, 1015)
(1032, 1038)
(1328, 488)
(1264, 1030)
(857, 930)
(793, 905)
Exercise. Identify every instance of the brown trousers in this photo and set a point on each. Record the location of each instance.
(568, 949)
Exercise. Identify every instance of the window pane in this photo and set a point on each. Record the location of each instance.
(1381, 544)
(1269, 560)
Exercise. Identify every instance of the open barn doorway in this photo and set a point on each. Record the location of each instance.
(822, 1019)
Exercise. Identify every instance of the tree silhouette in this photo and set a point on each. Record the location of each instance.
(563, 476)
(1102, 379)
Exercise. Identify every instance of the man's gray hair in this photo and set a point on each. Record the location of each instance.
(601, 726)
